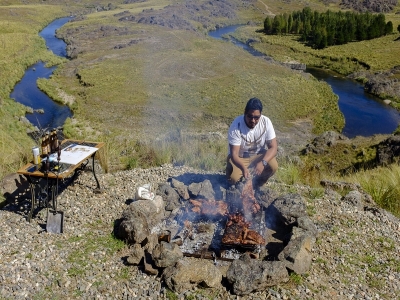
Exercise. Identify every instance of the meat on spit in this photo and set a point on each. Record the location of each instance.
(209, 207)
(250, 205)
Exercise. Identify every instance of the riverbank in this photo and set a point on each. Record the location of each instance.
(373, 63)
(20, 48)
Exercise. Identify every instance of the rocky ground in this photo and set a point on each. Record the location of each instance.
(356, 255)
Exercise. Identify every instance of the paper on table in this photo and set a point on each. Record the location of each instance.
(74, 153)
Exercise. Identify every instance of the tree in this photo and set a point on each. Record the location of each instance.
(389, 28)
(290, 23)
(398, 28)
(268, 25)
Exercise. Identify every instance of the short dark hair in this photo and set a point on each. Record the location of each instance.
(253, 104)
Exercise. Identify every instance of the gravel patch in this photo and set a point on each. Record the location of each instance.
(356, 256)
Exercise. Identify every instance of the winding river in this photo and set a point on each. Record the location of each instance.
(27, 92)
(365, 114)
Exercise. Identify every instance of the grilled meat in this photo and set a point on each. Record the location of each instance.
(237, 232)
(210, 207)
(250, 205)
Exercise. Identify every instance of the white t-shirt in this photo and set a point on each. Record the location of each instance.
(252, 141)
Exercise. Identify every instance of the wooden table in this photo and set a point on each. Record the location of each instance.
(75, 155)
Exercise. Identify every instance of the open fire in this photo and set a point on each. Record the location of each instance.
(185, 223)
(223, 229)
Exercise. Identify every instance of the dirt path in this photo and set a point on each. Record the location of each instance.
(266, 8)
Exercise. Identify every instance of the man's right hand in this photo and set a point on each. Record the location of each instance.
(246, 173)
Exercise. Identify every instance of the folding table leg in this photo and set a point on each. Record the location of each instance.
(32, 186)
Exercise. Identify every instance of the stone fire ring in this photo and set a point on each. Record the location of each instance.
(290, 236)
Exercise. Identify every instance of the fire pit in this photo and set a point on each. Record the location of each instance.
(253, 239)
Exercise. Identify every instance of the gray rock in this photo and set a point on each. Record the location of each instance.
(136, 256)
(181, 188)
(137, 221)
(150, 242)
(355, 198)
(327, 139)
(149, 266)
(307, 224)
(248, 275)
(24, 121)
(39, 111)
(388, 150)
(297, 254)
(170, 196)
(192, 272)
(290, 206)
(202, 190)
(166, 254)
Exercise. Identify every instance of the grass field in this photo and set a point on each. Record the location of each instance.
(175, 80)
(20, 47)
(156, 94)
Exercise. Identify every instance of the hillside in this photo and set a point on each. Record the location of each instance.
(148, 81)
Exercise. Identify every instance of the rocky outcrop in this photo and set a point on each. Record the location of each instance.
(388, 151)
(376, 6)
(319, 144)
(179, 16)
(382, 84)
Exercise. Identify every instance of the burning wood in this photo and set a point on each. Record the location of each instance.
(250, 205)
(237, 232)
(210, 207)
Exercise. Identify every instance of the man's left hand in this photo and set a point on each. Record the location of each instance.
(259, 168)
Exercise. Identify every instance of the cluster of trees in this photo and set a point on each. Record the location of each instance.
(320, 30)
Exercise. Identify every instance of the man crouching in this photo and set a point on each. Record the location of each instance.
(252, 145)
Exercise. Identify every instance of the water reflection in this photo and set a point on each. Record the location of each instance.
(364, 114)
(27, 92)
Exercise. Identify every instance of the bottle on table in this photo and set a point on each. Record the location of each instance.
(44, 144)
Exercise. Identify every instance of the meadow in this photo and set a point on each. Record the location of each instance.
(157, 94)
(175, 83)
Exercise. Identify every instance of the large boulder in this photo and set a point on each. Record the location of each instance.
(191, 272)
(138, 220)
(248, 275)
(170, 196)
(388, 151)
(297, 254)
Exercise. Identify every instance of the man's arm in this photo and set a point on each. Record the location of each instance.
(270, 154)
(234, 150)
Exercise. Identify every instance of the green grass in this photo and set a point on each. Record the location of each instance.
(171, 96)
(20, 47)
(79, 259)
(175, 80)
(382, 185)
(375, 55)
